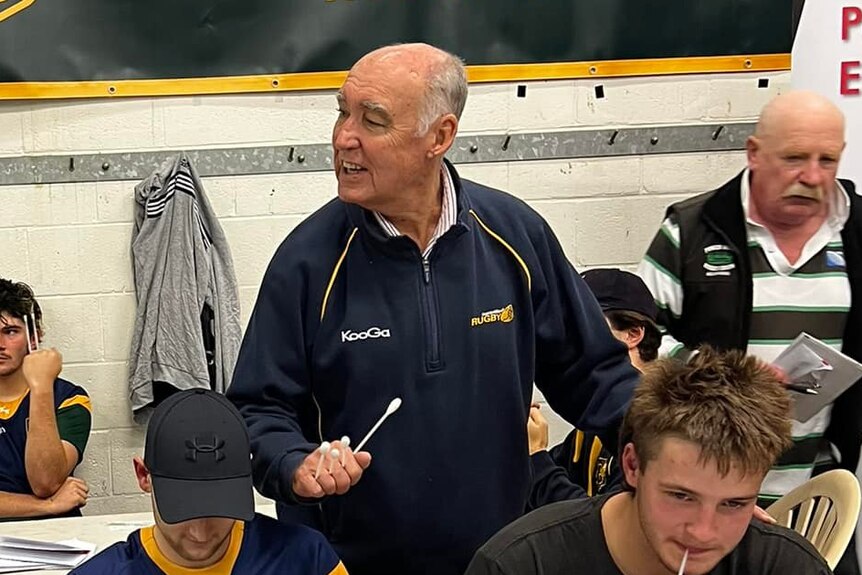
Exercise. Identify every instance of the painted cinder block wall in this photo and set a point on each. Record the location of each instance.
(71, 241)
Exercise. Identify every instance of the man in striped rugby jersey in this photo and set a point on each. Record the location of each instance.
(771, 253)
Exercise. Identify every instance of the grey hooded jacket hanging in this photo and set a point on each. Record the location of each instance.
(187, 325)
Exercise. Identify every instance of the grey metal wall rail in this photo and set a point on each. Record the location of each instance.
(24, 170)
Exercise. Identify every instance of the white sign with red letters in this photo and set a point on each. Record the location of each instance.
(827, 58)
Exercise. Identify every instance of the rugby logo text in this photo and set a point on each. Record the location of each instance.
(504, 315)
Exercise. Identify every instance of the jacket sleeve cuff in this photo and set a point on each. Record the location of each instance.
(289, 464)
(542, 464)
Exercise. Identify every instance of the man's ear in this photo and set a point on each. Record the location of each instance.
(634, 336)
(143, 475)
(631, 465)
(752, 146)
(444, 131)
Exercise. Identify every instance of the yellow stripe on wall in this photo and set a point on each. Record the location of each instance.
(332, 80)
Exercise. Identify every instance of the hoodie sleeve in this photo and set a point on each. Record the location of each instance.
(551, 483)
(583, 371)
(271, 382)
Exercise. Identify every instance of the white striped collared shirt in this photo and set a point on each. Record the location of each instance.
(448, 215)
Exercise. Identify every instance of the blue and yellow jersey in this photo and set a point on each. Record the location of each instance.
(262, 546)
(581, 466)
(73, 422)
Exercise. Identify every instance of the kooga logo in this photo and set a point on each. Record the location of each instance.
(370, 333)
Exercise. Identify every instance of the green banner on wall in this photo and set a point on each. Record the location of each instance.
(46, 41)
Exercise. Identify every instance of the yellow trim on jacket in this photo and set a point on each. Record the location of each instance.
(335, 273)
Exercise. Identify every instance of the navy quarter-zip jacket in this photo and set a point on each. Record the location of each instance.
(347, 319)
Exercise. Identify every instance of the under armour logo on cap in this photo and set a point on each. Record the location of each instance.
(197, 452)
(196, 446)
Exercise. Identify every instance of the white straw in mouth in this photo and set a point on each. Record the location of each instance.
(682, 565)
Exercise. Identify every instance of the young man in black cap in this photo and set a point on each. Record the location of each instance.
(580, 466)
(197, 467)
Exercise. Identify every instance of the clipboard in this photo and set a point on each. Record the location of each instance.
(844, 373)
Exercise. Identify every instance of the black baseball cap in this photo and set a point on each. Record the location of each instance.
(617, 290)
(197, 451)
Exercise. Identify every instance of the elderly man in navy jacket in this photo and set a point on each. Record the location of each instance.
(416, 284)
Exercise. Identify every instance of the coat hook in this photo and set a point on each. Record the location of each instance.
(506, 142)
(613, 137)
(717, 132)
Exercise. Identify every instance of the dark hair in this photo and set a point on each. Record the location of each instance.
(731, 405)
(17, 300)
(621, 320)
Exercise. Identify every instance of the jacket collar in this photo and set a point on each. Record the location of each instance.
(371, 232)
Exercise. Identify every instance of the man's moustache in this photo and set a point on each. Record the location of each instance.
(816, 193)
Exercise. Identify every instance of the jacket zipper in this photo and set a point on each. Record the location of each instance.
(432, 320)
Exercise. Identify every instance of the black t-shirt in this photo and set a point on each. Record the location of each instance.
(567, 538)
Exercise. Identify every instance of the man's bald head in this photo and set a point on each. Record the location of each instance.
(787, 108)
(793, 160)
(441, 75)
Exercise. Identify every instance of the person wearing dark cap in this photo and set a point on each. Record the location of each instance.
(197, 466)
(630, 311)
(580, 466)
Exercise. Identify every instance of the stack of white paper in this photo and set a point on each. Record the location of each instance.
(819, 366)
(17, 555)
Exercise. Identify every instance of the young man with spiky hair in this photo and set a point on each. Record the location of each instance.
(696, 444)
(44, 420)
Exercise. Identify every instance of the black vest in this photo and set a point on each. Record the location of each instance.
(717, 308)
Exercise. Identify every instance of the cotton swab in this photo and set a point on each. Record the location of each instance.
(35, 332)
(682, 565)
(333, 457)
(323, 449)
(27, 333)
(345, 443)
(393, 407)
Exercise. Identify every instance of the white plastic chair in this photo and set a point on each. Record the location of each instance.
(824, 510)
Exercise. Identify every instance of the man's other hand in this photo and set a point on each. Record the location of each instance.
(537, 430)
(761, 515)
(73, 493)
(335, 482)
(779, 374)
(41, 368)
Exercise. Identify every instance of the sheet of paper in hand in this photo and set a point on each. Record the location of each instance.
(815, 365)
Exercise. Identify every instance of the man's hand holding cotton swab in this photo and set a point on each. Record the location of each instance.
(322, 474)
(333, 468)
